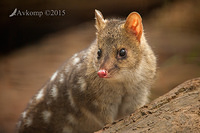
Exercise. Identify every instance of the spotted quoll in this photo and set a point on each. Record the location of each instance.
(105, 82)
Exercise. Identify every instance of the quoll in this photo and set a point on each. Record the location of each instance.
(105, 82)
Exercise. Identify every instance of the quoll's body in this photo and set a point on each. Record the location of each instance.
(103, 83)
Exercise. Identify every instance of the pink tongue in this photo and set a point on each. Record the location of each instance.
(102, 73)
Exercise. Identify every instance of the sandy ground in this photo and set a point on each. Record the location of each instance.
(24, 71)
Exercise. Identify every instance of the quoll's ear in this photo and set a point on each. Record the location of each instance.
(133, 25)
(100, 22)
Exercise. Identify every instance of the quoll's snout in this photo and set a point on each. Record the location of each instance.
(102, 73)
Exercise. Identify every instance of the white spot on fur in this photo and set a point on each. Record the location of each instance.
(28, 121)
(54, 92)
(67, 129)
(54, 76)
(71, 119)
(76, 60)
(82, 83)
(61, 78)
(24, 114)
(67, 69)
(84, 56)
(40, 94)
(75, 55)
(71, 99)
(46, 116)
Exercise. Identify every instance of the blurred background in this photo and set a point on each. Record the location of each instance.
(33, 47)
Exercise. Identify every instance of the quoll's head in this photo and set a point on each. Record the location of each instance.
(118, 51)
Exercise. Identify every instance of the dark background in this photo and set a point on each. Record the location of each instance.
(18, 31)
(32, 48)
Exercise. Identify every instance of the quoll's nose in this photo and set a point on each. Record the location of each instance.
(102, 73)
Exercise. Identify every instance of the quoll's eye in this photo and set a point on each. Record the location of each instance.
(122, 53)
(99, 52)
